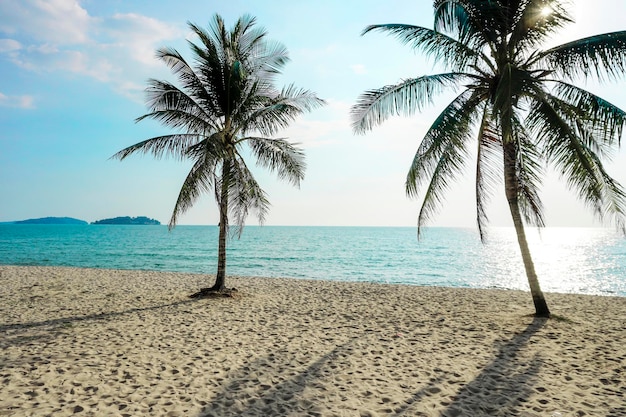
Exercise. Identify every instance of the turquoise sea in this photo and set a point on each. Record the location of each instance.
(570, 260)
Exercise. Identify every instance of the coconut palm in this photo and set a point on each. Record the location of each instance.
(226, 109)
(517, 106)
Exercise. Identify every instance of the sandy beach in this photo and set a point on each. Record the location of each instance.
(90, 342)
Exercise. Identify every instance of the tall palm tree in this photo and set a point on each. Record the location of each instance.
(517, 105)
(226, 99)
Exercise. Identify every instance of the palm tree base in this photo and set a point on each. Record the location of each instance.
(213, 292)
(541, 308)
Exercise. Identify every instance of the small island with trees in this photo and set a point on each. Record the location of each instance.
(140, 220)
(50, 220)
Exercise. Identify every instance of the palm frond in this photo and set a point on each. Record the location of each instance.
(246, 36)
(201, 179)
(280, 156)
(263, 58)
(268, 115)
(443, 48)
(405, 98)
(602, 56)
(211, 148)
(175, 62)
(177, 109)
(175, 145)
(270, 59)
(529, 171)
(579, 165)
(537, 20)
(452, 125)
(245, 195)
(221, 63)
(474, 22)
(211, 65)
(488, 160)
(600, 121)
(199, 85)
(442, 154)
(449, 165)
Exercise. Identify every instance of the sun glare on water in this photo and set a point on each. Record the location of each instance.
(567, 260)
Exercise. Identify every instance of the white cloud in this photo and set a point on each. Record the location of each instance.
(61, 36)
(9, 45)
(83, 63)
(53, 21)
(132, 90)
(21, 102)
(140, 35)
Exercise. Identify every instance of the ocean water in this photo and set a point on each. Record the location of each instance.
(567, 260)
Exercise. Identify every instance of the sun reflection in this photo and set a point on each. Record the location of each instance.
(567, 260)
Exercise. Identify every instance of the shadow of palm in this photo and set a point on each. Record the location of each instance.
(503, 384)
(249, 393)
(17, 334)
(255, 390)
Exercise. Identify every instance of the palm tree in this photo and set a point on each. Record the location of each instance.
(518, 106)
(227, 99)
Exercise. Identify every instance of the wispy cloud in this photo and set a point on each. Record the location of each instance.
(21, 102)
(358, 69)
(50, 21)
(140, 35)
(9, 45)
(61, 36)
(321, 128)
(332, 125)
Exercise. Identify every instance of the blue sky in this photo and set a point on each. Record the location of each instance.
(73, 74)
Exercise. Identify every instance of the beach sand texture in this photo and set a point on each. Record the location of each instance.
(88, 342)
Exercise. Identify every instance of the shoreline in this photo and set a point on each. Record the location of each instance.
(131, 343)
(204, 283)
(576, 261)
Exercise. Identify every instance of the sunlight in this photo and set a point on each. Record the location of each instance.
(566, 259)
(546, 11)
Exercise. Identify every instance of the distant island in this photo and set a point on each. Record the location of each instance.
(141, 220)
(51, 220)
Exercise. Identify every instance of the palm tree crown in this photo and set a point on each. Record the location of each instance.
(226, 98)
(518, 103)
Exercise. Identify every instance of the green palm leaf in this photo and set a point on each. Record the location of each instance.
(602, 120)
(452, 53)
(442, 154)
(602, 56)
(277, 110)
(245, 195)
(405, 98)
(280, 156)
(529, 171)
(578, 164)
(169, 145)
(488, 171)
(200, 180)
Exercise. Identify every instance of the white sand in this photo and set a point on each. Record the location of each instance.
(126, 343)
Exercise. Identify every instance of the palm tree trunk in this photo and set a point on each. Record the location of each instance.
(510, 184)
(220, 278)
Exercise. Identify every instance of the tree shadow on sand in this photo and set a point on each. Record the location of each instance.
(16, 334)
(256, 389)
(249, 393)
(498, 390)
